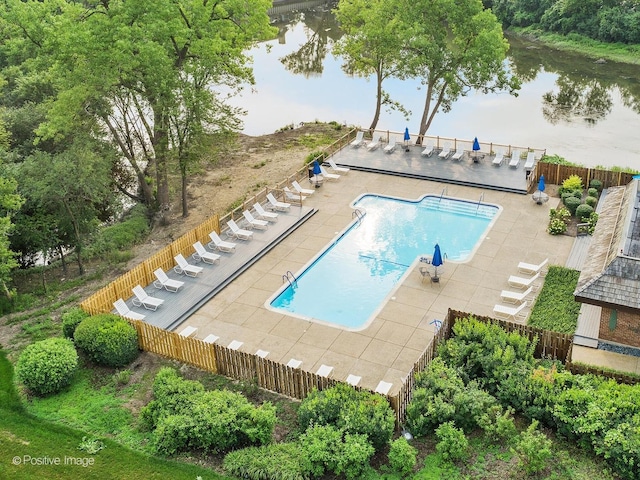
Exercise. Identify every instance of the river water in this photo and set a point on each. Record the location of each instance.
(586, 112)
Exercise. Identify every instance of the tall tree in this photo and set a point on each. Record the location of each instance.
(455, 47)
(372, 45)
(119, 67)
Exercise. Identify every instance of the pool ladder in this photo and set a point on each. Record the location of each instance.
(479, 201)
(291, 278)
(359, 214)
(444, 190)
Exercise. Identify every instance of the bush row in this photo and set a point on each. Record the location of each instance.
(593, 411)
(48, 366)
(341, 430)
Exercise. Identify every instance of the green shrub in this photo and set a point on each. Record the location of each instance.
(533, 449)
(47, 366)
(184, 416)
(332, 450)
(561, 213)
(107, 339)
(565, 195)
(452, 444)
(402, 456)
(349, 410)
(171, 395)
(572, 204)
(593, 192)
(597, 184)
(592, 221)
(574, 182)
(583, 212)
(317, 155)
(577, 194)
(71, 319)
(123, 235)
(278, 461)
(556, 308)
(557, 226)
(484, 351)
(498, 424)
(592, 201)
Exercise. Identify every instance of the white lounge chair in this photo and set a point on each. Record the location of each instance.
(358, 140)
(515, 159)
(298, 188)
(391, 146)
(188, 331)
(263, 214)
(143, 299)
(275, 204)
(324, 370)
(336, 168)
(499, 158)
(293, 196)
(217, 243)
(502, 311)
(446, 151)
(294, 363)
(124, 311)
(531, 268)
(375, 141)
(515, 297)
(211, 338)
(238, 232)
(519, 282)
(531, 160)
(184, 267)
(254, 222)
(327, 175)
(201, 254)
(353, 380)
(459, 154)
(165, 282)
(383, 387)
(428, 149)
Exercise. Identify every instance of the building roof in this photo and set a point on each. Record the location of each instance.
(611, 274)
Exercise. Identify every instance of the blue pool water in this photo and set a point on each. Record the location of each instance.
(347, 282)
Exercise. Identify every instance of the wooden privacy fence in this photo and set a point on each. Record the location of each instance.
(556, 174)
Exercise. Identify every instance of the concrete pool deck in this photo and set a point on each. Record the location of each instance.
(386, 349)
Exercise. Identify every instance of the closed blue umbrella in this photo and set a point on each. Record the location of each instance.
(436, 261)
(476, 145)
(541, 183)
(316, 171)
(407, 138)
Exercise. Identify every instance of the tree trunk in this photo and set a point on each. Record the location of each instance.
(185, 205)
(63, 259)
(376, 116)
(161, 149)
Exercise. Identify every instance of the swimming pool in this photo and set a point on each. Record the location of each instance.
(346, 283)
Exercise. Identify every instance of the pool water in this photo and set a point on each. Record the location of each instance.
(347, 282)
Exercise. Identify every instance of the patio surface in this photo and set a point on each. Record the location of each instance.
(228, 299)
(393, 341)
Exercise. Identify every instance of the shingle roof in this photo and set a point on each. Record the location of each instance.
(611, 273)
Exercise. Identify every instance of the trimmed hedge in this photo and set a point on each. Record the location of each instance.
(107, 339)
(572, 203)
(48, 366)
(555, 308)
(584, 211)
(71, 319)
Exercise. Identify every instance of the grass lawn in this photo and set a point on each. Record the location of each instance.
(555, 308)
(28, 447)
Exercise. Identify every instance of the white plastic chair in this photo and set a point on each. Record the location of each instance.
(184, 267)
(201, 254)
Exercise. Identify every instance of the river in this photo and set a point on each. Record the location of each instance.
(586, 112)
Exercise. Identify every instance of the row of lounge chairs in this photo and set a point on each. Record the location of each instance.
(514, 159)
(142, 299)
(519, 299)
